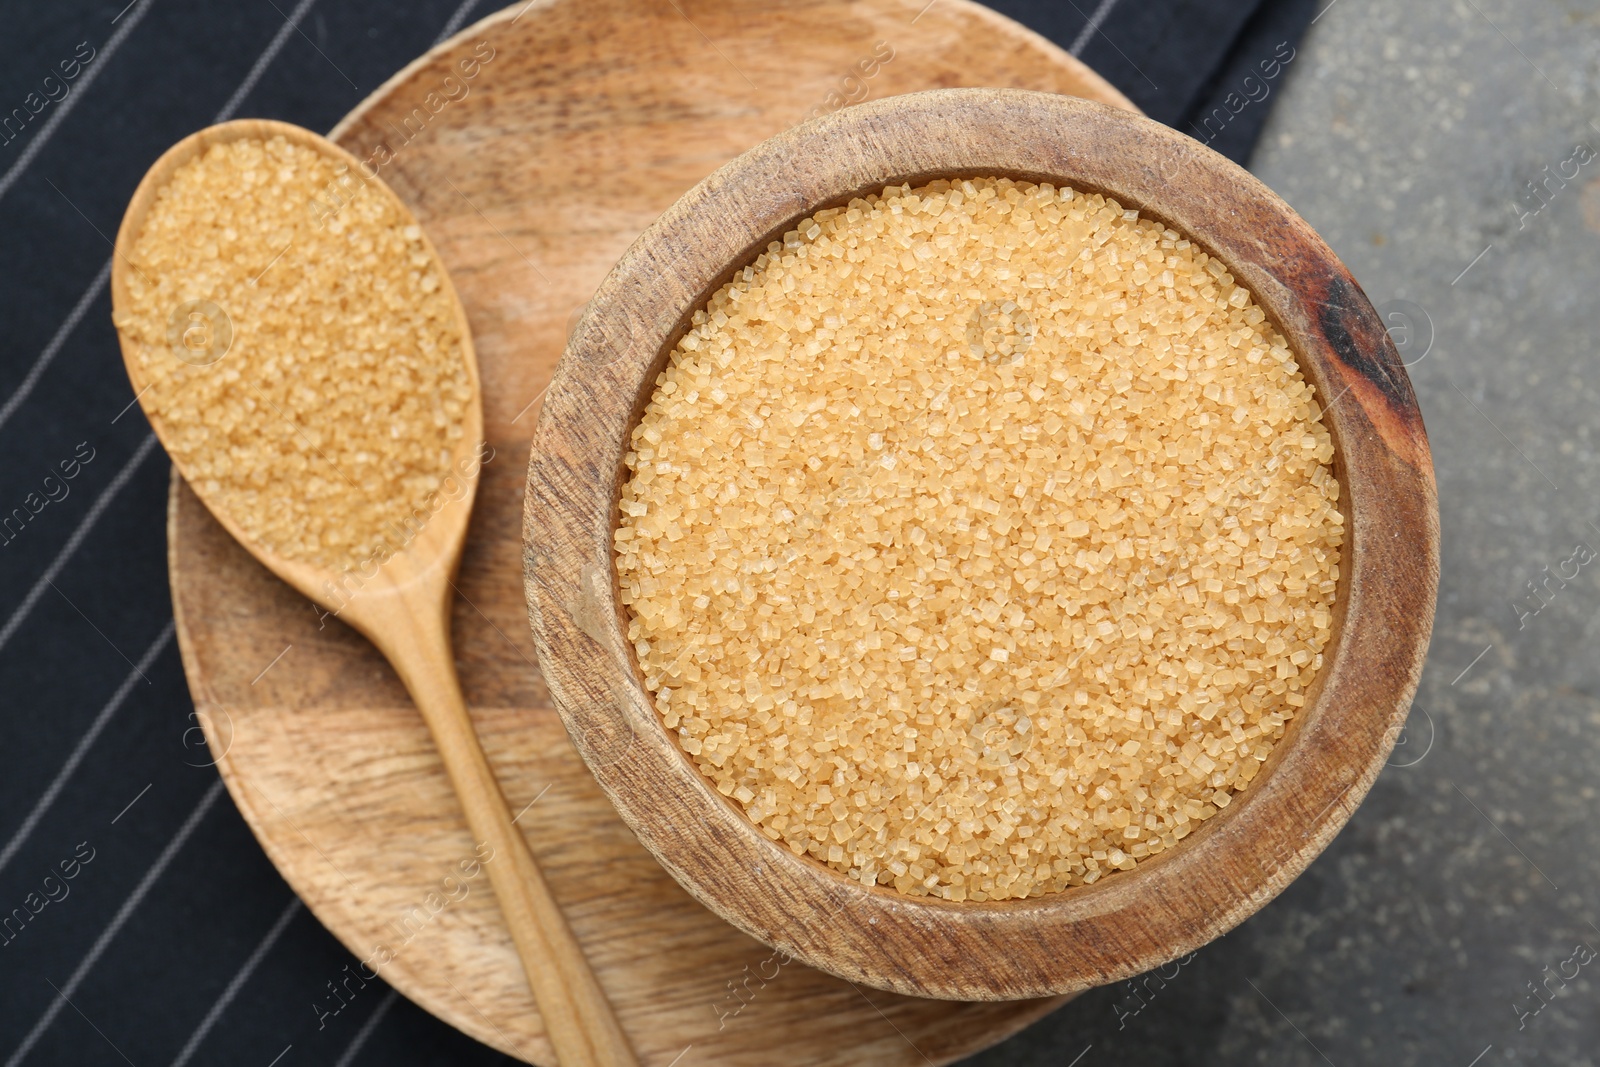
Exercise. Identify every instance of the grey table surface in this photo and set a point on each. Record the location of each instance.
(1454, 921)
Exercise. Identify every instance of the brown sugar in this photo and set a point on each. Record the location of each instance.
(332, 411)
(980, 539)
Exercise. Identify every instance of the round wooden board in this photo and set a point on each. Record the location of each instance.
(581, 122)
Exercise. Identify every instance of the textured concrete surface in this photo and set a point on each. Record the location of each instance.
(1469, 880)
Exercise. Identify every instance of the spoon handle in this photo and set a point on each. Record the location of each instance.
(577, 1016)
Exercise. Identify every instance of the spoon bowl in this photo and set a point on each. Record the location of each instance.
(371, 594)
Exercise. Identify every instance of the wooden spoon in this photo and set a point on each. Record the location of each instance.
(403, 607)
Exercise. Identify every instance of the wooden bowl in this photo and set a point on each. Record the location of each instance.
(1128, 922)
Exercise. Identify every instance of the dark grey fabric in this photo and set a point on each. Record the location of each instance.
(169, 898)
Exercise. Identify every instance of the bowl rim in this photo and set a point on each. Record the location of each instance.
(1127, 922)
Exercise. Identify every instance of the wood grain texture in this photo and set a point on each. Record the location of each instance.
(532, 176)
(1128, 922)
